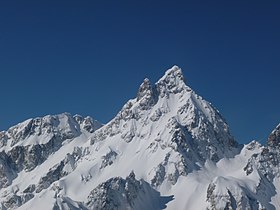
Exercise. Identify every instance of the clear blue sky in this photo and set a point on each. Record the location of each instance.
(89, 57)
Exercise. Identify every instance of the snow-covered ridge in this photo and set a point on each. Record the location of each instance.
(167, 148)
(38, 130)
(25, 146)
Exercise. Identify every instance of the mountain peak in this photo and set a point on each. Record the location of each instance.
(174, 73)
(172, 82)
(170, 110)
(161, 142)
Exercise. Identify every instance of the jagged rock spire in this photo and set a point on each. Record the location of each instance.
(146, 94)
(144, 89)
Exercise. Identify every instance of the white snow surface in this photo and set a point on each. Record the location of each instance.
(176, 143)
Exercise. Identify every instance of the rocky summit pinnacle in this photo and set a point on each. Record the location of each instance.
(174, 72)
(146, 94)
(145, 88)
(168, 104)
(167, 148)
(172, 82)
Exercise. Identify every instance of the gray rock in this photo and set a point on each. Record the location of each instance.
(129, 193)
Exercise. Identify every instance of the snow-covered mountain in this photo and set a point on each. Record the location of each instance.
(167, 148)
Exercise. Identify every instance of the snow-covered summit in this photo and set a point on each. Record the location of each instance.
(173, 81)
(167, 148)
(168, 109)
(174, 72)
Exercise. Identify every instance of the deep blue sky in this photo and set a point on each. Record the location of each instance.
(89, 57)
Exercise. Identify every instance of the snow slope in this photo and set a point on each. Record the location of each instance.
(167, 148)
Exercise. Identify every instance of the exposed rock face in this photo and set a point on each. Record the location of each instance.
(129, 193)
(7, 174)
(274, 138)
(116, 193)
(146, 95)
(227, 193)
(267, 161)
